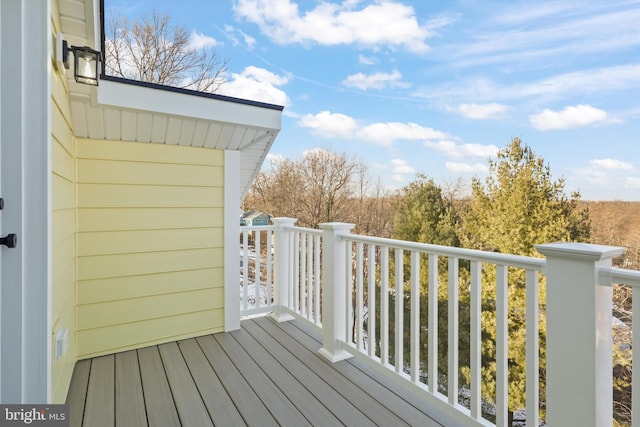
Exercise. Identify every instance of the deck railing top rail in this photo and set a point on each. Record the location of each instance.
(447, 251)
(612, 275)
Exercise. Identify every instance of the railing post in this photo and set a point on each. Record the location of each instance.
(334, 290)
(282, 257)
(579, 339)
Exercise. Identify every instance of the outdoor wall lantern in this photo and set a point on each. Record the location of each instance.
(86, 63)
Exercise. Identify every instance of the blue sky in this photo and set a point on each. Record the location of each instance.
(437, 87)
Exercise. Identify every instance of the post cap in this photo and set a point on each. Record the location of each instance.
(577, 250)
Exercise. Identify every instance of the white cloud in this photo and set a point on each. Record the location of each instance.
(569, 117)
(386, 23)
(230, 32)
(452, 149)
(328, 124)
(537, 34)
(482, 111)
(594, 176)
(632, 182)
(366, 60)
(611, 164)
(400, 169)
(275, 158)
(198, 41)
(606, 176)
(524, 14)
(375, 80)
(599, 80)
(401, 166)
(257, 84)
(336, 125)
(596, 80)
(249, 41)
(386, 134)
(466, 167)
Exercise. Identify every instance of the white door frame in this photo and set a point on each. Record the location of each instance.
(25, 182)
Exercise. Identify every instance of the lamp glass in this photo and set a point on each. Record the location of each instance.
(86, 62)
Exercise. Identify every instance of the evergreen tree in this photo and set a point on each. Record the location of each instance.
(518, 206)
(422, 214)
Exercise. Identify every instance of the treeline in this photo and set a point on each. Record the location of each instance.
(517, 206)
(617, 223)
(324, 187)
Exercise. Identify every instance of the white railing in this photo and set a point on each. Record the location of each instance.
(372, 298)
(305, 286)
(607, 277)
(256, 270)
(387, 269)
(295, 267)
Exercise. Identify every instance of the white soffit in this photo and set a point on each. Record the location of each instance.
(119, 109)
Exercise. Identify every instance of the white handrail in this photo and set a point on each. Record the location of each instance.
(518, 261)
(611, 275)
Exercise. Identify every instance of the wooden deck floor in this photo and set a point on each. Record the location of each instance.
(266, 374)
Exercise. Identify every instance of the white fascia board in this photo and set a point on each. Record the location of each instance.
(135, 97)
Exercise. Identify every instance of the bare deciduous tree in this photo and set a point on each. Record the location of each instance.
(154, 50)
(322, 187)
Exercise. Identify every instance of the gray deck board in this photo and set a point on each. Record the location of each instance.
(341, 408)
(220, 406)
(265, 374)
(249, 404)
(100, 405)
(191, 408)
(159, 405)
(129, 398)
(313, 408)
(385, 393)
(278, 404)
(350, 391)
(78, 392)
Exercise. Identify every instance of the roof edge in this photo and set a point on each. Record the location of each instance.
(192, 92)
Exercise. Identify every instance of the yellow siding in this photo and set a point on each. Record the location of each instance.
(63, 224)
(148, 332)
(150, 244)
(115, 219)
(133, 241)
(147, 196)
(127, 264)
(125, 311)
(109, 289)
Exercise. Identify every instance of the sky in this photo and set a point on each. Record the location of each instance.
(436, 87)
